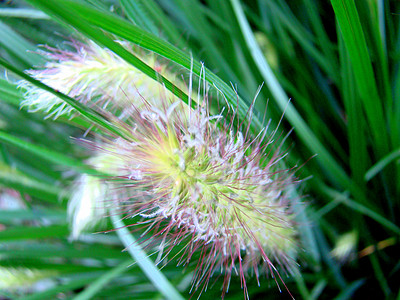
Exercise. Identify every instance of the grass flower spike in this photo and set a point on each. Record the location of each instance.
(194, 179)
(93, 75)
(96, 77)
(209, 188)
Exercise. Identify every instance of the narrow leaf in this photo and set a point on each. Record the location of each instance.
(19, 47)
(354, 40)
(145, 263)
(29, 233)
(92, 289)
(84, 110)
(380, 165)
(13, 179)
(47, 154)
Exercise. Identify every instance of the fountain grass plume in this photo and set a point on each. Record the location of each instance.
(97, 77)
(193, 179)
(93, 75)
(197, 181)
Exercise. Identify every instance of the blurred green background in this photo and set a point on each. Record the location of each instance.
(338, 62)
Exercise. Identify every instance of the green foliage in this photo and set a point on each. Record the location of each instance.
(337, 61)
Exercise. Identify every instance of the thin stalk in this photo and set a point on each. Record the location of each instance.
(143, 260)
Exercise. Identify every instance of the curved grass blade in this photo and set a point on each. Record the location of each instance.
(168, 28)
(380, 165)
(301, 128)
(138, 14)
(92, 289)
(354, 40)
(70, 286)
(145, 263)
(362, 209)
(19, 47)
(47, 154)
(348, 292)
(11, 178)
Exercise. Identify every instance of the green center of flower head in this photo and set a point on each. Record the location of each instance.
(220, 194)
(183, 165)
(209, 185)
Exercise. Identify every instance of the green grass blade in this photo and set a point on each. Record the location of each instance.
(23, 215)
(137, 13)
(64, 288)
(194, 14)
(46, 250)
(9, 93)
(19, 47)
(358, 155)
(354, 40)
(282, 99)
(348, 292)
(380, 165)
(304, 39)
(31, 233)
(373, 23)
(13, 179)
(362, 209)
(163, 23)
(145, 263)
(91, 290)
(47, 154)
(169, 27)
(379, 274)
(318, 289)
(301, 286)
(324, 42)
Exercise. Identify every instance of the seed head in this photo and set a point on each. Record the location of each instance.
(92, 75)
(210, 188)
(345, 247)
(193, 178)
